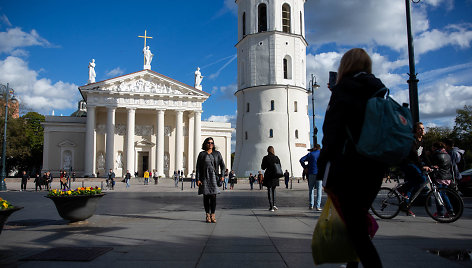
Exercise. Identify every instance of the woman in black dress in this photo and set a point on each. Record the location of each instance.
(270, 180)
(208, 162)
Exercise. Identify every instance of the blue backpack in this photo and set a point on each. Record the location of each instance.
(387, 133)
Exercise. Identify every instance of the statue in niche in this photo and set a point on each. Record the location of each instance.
(101, 160)
(119, 160)
(67, 162)
(198, 79)
(92, 73)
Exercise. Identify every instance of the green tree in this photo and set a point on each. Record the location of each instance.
(463, 132)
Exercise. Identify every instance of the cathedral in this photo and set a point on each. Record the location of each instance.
(137, 122)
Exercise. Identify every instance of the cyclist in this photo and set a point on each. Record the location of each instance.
(441, 162)
(414, 166)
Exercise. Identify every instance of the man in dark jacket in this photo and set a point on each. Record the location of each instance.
(111, 179)
(24, 180)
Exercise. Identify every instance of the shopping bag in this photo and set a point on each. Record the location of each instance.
(330, 243)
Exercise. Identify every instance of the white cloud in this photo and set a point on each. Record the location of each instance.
(4, 19)
(39, 94)
(222, 118)
(443, 99)
(115, 72)
(15, 38)
(455, 35)
(227, 92)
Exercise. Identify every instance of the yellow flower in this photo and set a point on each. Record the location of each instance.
(69, 192)
(5, 205)
(99, 188)
(88, 188)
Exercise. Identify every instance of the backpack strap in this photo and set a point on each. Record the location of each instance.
(384, 89)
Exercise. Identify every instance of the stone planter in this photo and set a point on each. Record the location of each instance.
(76, 208)
(4, 214)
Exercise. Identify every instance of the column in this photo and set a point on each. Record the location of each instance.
(46, 151)
(110, 141)
(197, 136)
(228, 153)
(179, 139)
(160, 143)
(191, 140)
(130, 140)
(90, 142)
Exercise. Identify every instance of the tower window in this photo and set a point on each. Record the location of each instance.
(245, 135)
(272, 105)
(296, 134)
(262, 18)
(271, 133)
(244, 24)
(295, 106)
(286, 18)
(301, 23)
(287, 62)
(247, 107)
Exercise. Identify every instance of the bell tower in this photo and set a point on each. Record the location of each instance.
(272, 100)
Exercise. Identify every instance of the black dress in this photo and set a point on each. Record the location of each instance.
(207, 171)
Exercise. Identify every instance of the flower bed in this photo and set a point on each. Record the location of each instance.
(81, 191)
(6, 209)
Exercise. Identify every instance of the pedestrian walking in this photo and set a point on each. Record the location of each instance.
(38, 182)
(50, 178)
(24, 181)
(226, 181)
(127, 178)
(352, 192)
(252, 179)
(286, 178)
(232, 180)
(193, 181)
(271, 181)
(209, 168)
(155, 177)
(314, 182)
(176, 179)
(111, 179)
(260, 179)
(146, 177)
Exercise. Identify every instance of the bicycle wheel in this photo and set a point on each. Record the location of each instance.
(387, 204)
(451, 208)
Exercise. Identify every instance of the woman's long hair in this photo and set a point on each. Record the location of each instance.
(354, 61)
(204, 148)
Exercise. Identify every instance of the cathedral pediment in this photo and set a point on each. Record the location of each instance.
(145, 82)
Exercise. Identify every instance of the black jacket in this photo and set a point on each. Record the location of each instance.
(218, 163)
(444, 163)
(268, 165)
(346, 108)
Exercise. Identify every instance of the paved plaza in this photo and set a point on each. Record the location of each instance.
(163, 226)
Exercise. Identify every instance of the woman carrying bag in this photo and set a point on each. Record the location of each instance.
(271, 175)
(208, 175)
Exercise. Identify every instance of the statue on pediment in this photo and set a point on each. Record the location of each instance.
(198, 79)
(147, 57)
(92, 73)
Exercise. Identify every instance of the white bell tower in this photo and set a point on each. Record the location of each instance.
(272, 99)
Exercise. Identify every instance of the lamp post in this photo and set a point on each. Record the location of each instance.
(6, 91)
(313, 87)
(412, 81)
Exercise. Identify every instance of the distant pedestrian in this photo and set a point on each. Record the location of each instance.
(155, 177)
(251, 180)
(270, 179)
(38, 181)
(111, 179)
(146, 177)
(176, 179)
(286, 178)
(226, 177)
(232, 180)
(193, 180)
(209, 165)
(49, 180)
(260, 179)
(127, 178)
(73, 176)
(136, 174)
(313, 181)
(24, 180)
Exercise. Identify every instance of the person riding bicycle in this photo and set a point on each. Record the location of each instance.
(441, 162)
(414, 165)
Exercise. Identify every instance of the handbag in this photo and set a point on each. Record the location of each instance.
(278, 173)
(330, 243)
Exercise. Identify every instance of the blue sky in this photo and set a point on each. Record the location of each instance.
(45, 47)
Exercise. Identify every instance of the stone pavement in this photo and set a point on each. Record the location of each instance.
(163, 226)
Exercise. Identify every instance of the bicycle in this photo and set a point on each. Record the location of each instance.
(442, 204)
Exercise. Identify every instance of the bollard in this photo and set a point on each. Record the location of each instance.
(291, 183)
(101, 185)
(182, 183)
(82, 184)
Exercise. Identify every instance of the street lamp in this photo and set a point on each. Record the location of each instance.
(412, 81)
(7, 94)
(313, 87)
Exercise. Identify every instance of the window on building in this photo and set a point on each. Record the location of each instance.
(247, 107)
(296, 134)
(245, 135)
(272, 105)
(286, 18)
(301, 23)
(295, 106)
(271, 133)
(244, 24)
(287, 62)
(262, 18)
